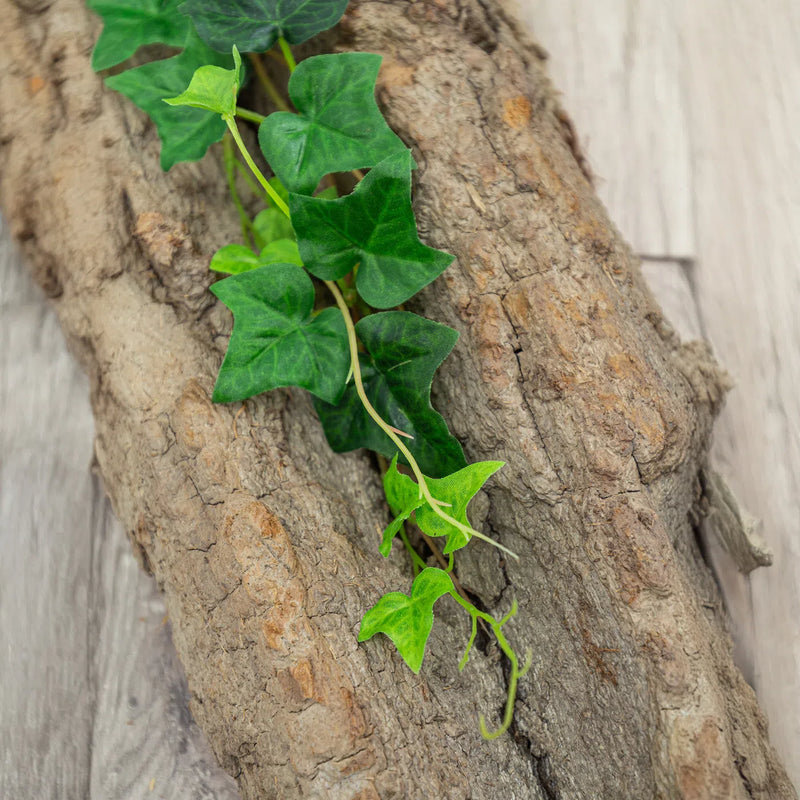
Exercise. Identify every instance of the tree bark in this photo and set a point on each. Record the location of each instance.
(264, 541)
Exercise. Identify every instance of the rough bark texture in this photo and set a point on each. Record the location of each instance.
(265, 542)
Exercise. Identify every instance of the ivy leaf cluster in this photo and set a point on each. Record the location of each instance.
(454, 491)
(371, 381)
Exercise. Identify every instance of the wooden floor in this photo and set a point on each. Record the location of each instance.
(689, 112)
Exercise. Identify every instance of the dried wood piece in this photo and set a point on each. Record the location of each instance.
(263, 540)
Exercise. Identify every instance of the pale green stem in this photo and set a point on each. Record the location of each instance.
(416, 561)
(287, 54)
(465, 657)
(266, 82)
(516, 672)
(425, 492)
(229, 159)
(248, 178)
(273, 195)
(251, 116)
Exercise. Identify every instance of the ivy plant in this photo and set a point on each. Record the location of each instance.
(368, 365)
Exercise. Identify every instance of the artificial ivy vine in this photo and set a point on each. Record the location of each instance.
(370, 379)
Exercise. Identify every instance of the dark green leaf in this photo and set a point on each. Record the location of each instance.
(255, 25)
(186, 133)
(276, 340)
(339, 126)
(407, 621)
(455, 491)
(405, 351)
(129, 24)
(213, 89)
(373, 227)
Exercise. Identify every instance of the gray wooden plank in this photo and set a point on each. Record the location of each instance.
(619, 67)
(93, 703)
(671, 282)
(743, 100)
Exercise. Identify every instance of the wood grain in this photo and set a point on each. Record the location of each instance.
(711, 93)
(709, 186)
(93, 700)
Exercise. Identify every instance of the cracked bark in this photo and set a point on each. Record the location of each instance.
(264, 542)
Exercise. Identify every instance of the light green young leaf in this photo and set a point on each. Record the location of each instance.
(213, 89)
(454, 491)
(255, 25)
(394, 526)
(185, 133)
(407, 621)
(338, 128)
(270, 225)
(129, 24)
(234, 259)
(280, 250)
(276, 340)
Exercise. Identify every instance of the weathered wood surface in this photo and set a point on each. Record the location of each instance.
(710, 92)
(656, 193)
(93, 702)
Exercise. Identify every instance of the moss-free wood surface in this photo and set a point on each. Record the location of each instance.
(702, 165)
(87, 601)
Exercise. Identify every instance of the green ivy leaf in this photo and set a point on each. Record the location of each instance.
(394, 526)
(234, 259)
(404, 352)
(407, 621)
(281, 250)
(255, 25)
(271, 224)
(129, 24)
(339, 126)
(373, 227)
(276, 340)
(213, 89)
(185, 133)
(456, 490)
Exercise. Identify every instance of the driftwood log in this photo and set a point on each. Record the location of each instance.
(264, 542)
